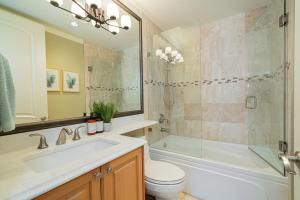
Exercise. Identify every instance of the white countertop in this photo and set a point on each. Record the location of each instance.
(19, 181)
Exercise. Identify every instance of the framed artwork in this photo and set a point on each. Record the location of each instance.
(70, 81)
(53, 80)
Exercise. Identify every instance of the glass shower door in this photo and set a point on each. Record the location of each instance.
(266, 84)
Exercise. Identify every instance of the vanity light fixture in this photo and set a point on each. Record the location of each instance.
(169, 55)
(92, 11)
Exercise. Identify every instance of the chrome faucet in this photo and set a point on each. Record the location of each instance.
(43, 142)
(162, 119)
(164, 130)
(62, 136)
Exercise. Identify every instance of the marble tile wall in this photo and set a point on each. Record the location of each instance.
(265, 38)
(109, 81)
(223, 57)
(130, 79)
(153, 96)
(226, 61)
(100, 81)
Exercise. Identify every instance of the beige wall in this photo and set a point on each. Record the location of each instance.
(68, 55)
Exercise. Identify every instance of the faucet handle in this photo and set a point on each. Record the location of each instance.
(76, 133)
(43, 142)
(67, 130)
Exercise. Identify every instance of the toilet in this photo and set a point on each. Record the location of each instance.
(163, 180)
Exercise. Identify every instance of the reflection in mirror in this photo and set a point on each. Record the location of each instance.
(61, 64)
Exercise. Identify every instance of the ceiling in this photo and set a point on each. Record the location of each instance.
(42, 11)
(168, 14)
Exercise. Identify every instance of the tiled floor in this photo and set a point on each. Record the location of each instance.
(183, 196)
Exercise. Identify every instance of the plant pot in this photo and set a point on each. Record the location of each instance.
(107, 127)
(99, 126)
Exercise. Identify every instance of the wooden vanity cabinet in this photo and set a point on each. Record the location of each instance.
(84, 187)
(120, 179)
(124, 177)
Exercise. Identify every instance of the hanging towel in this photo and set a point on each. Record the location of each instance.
(7, 97)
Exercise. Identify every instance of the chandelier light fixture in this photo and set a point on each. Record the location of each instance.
(92, 11)
(169, 55)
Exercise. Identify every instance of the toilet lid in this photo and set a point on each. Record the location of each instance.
(163, 173)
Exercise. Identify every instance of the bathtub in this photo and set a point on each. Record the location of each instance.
(221, 171)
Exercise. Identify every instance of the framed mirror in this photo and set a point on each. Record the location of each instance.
(64, 55)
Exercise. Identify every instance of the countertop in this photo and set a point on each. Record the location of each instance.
(19, 181)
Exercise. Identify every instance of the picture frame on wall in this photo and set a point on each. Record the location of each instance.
(53, 80)
(70, 81)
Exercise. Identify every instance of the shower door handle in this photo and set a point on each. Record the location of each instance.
(288, 160)
(251, 102)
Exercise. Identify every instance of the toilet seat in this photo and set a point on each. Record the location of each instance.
(163, 173)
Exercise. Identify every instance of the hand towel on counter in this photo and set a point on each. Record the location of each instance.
(7, 97)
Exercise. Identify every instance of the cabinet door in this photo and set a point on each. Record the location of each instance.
(85, 187)
(124, 177)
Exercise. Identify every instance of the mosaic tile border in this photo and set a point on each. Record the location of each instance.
(219, 81)
(106, 89)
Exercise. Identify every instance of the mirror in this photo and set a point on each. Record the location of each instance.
(61, 62)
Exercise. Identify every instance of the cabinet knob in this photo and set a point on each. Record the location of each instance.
(109, 170)
(97, 176)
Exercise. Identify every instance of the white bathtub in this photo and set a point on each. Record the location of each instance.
(221, 171)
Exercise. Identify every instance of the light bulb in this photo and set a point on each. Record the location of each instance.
(168, 50)
(174, 53)
(94, 3)
(113, 29)
(125, 22)
(112, 11)
(162, 55)
(56, 2)
(77, 10)
(178, 56)
(158, 52)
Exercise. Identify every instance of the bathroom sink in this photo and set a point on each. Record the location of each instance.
(66, 154)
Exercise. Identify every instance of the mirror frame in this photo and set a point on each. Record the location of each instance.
(21, 128)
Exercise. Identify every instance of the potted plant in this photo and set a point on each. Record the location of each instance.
(92, 114)
(107, 113)
(97, 110)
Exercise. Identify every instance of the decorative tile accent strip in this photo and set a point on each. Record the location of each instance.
(278, 74)
(127, 89)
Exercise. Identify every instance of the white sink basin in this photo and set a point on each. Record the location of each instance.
(49, 160)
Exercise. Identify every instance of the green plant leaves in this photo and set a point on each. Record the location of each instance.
(104, 111)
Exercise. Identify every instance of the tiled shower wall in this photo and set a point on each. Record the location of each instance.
(223, 65)
(114, 76)
(153, 97)
(130, 79)
(100, 79)
(205, 96)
